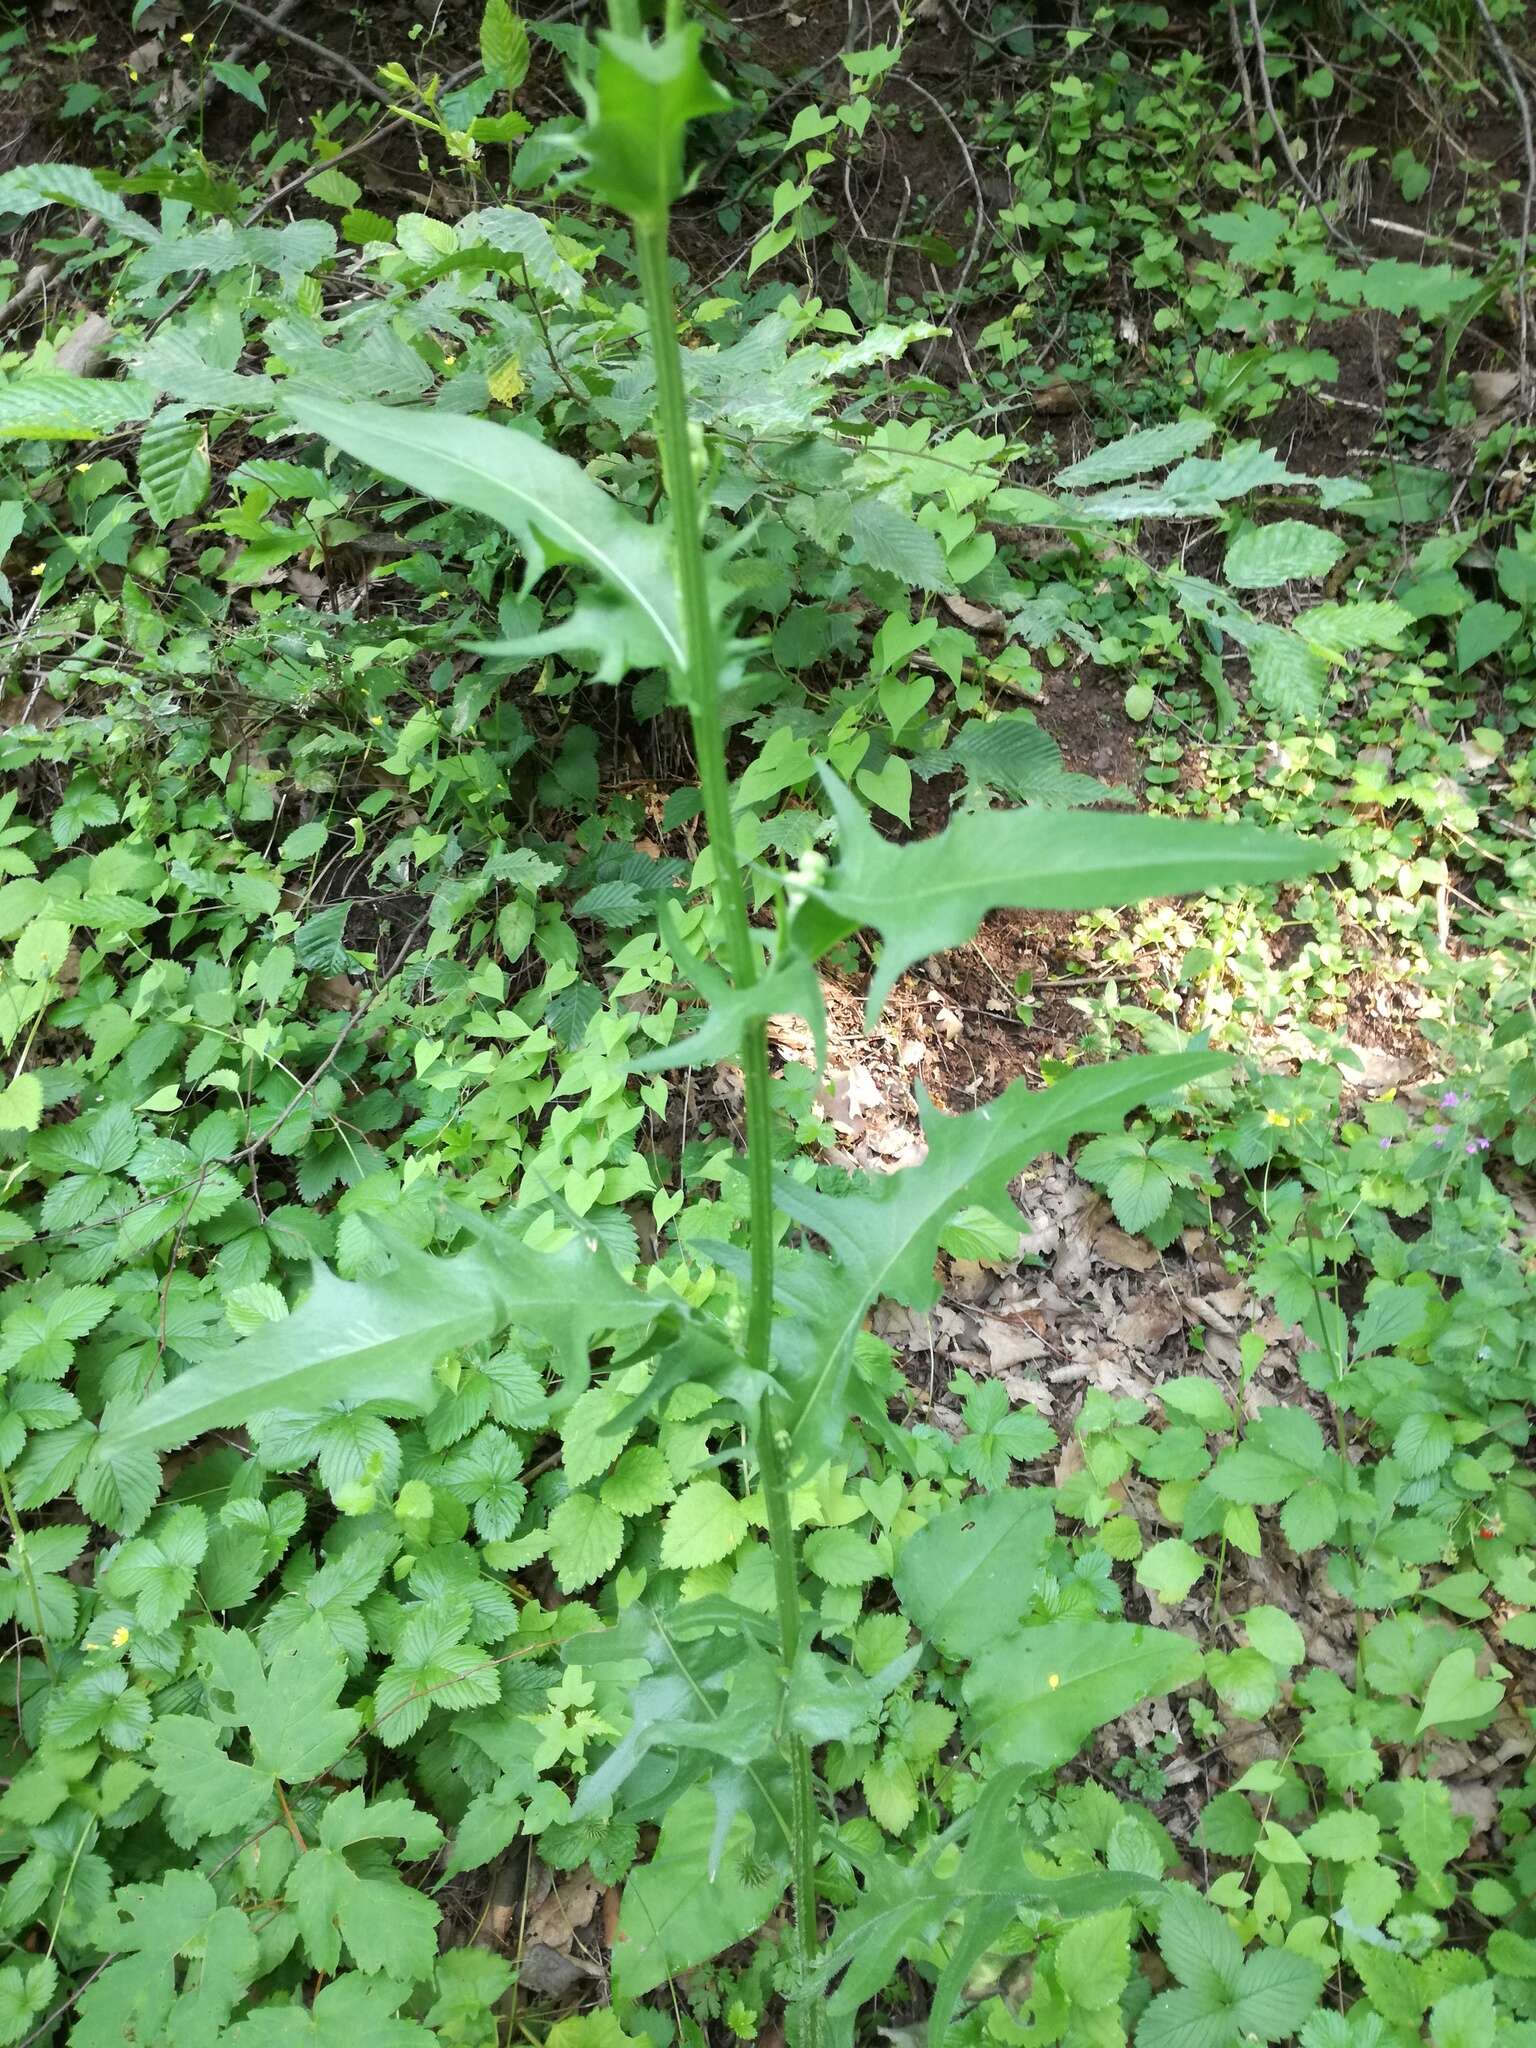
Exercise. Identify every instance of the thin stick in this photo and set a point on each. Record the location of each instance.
(1240, 61)
(334, 58)
(1261, 60)
(1522, 101)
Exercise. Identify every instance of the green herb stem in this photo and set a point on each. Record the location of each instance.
(702, 694)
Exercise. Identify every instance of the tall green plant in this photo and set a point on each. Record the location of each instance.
(738, 1706)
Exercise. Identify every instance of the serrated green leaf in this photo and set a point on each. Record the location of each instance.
(503, 46)
(585, 1538)
(703, 1525)
(1135, 453)
(1284, 551)
(1289, 677)
(173, 468)
(1169, 1569)
(51, 405)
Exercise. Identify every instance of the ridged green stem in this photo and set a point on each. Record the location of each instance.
(700, 681)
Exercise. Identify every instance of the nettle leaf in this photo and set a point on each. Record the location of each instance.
(547, 502)
(934, 893)
(1036, 1695)
(1284, 551)
(885, 1238)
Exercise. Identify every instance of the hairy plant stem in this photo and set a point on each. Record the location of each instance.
(700, 683)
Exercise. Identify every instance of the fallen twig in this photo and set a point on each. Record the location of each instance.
(333, 58)
(1522, 100)
(1314, 198)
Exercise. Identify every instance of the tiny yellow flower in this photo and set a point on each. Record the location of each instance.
(449, 361)
(133, 74)
(119, 1637)
(90, 1646)
(189, 37)
(438, 596)
(1273, 1116)
(1054, 1680)
(81, 468)
(38, 568)
(374, 718)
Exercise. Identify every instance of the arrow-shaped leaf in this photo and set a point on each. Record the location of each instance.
(935, 892)
(543, 498)
(380, 1338)
(885, 1238)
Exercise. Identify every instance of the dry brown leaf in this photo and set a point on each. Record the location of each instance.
(1069, 1464)
(1489, 389)
(1130, 1254)
(981, 618)
(568, 1908)
(1149, 1321)
(1009, 1343)
(335, 991)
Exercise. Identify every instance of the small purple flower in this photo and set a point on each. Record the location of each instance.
(1386, 1144)
(1438, 1134)
(1477, 1145)
(1450, 1099)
